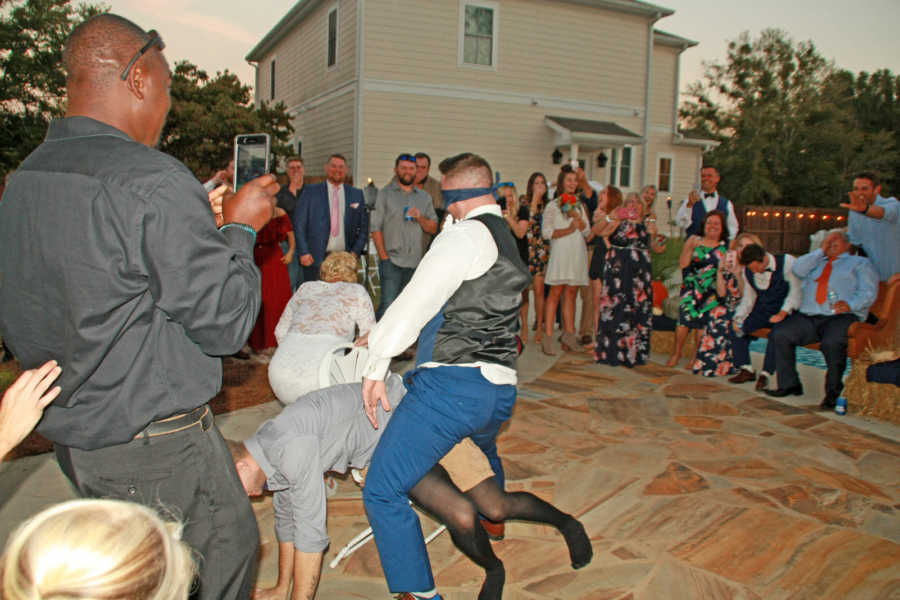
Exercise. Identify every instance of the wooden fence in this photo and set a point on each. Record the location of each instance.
(787, 228)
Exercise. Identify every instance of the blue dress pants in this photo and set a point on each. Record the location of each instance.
(442, 406)
(740, 344)
(800, 329)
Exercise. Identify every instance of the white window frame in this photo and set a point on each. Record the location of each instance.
(671, 159)
(337, 36)
(495, 35)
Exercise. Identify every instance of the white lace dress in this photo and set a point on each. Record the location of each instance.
(318, 316)
(568, 263)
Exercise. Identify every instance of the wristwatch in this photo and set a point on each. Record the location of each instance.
(865, 211)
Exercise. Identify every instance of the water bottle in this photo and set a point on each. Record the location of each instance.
(840, 405)
(832, 299)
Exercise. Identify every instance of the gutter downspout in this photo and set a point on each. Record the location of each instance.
(357, 117)
(255, 82)
(646, 147)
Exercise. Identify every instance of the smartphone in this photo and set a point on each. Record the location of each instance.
(730, 259)
(251, 157)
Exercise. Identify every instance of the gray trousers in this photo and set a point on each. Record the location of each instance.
(188, 475)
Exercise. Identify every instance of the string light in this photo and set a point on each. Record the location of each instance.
(787, 214)
(826, 217)
(840, 218)
(778, 214)
(800, 216)
(766, 214)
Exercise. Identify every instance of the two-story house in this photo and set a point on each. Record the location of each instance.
(526, 83)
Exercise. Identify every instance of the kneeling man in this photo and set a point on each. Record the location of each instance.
(328, 430)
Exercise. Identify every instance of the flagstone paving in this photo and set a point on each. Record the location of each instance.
(689, 489)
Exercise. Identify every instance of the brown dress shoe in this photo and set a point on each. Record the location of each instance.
(762, 383)
(743, 377)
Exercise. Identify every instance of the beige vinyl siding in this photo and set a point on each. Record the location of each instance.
(685, 171)
(512, 137)
(301, 56)
(327, 129)
(662, 87)
(543, 49)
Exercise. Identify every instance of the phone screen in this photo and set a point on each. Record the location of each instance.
(251, 157)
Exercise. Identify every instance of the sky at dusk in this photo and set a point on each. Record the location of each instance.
(216, 35)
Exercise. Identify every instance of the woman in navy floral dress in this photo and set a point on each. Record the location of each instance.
(626, 300)
(714, 356)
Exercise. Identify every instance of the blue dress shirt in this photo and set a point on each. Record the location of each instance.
(880, 238)
(853, 278)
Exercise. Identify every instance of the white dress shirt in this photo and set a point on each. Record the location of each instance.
(762, 281)
(461, 252)
(336, 243)
(685, 213)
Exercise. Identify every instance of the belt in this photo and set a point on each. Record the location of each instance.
(199, 416)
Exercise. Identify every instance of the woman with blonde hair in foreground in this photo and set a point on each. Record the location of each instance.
(99, 549)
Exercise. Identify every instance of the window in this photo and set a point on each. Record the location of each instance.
(272, 80)
(478, 33)
(625, 168)
(664, 174)
(332, 37)
(620, 167)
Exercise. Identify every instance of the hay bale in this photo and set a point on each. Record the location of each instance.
(879, 400)
(663, 342)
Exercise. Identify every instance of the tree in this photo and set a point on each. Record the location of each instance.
(207, 113)
(32, 81)
(787, 128)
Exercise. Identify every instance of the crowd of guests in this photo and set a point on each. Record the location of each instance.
(161, 289)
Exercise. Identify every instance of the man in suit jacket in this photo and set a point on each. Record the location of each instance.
(330, 216)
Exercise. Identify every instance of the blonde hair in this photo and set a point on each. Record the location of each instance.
(744, 235)
(339, 266)
(97, 549)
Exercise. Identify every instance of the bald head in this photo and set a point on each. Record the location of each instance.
(104, 84)
(98, 50)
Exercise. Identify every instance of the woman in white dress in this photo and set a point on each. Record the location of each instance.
(566, 225)
(320, 315)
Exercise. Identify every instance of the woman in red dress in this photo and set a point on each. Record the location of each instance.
(276, 283)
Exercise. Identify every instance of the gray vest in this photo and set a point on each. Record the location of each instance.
(480, 320)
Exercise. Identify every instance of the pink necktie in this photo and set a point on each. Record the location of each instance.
(335, 214)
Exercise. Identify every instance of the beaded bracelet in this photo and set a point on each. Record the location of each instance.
(243, 226)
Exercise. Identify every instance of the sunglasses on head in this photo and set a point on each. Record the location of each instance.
(154, 40)
(409, 157)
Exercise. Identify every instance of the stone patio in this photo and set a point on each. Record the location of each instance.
(690, 488)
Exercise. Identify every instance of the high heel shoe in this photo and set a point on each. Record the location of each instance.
(569, 342)
(547, 345)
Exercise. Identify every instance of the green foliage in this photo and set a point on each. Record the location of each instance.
(788, 122)
(32, 80)
(207, 113)
(662, 264)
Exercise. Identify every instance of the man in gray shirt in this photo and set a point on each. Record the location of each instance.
(328, 430)
(113, 265)
(402, 213)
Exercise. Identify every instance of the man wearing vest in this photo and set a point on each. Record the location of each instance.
(838, 289)
(462, 303)
(696, 205)
(771, 292)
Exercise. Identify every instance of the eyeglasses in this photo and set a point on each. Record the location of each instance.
(154, 40)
